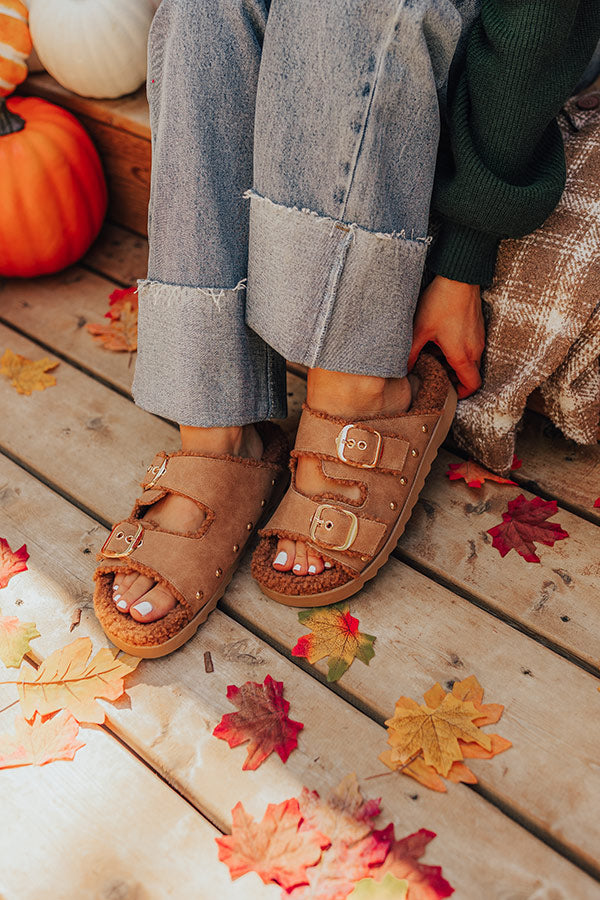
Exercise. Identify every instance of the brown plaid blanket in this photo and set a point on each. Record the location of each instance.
(543, 312)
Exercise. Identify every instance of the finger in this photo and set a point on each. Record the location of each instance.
(469, 377)
(419, 341)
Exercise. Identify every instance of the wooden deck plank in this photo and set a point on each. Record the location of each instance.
(118, 831)
(173, 706)
(119, 254)
(446, 534)
(559, 467)
(129, 113)
(556, 598)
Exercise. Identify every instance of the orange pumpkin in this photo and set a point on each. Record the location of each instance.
(52, 188)
(15, 45)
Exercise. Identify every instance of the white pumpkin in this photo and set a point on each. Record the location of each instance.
(96, 48)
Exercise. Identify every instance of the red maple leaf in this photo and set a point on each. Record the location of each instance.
(342, 865)
(424, 882)
(276, 848)
(474, 474)
(119, 298)
(262, 719)
(525, 522)
(597, 502)
(11, 561)
(516, 463)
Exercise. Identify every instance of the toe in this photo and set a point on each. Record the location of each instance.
(155, 604)
(139, 586)
(300, 566)
(284, 558)
(315, 563)
(122, 581)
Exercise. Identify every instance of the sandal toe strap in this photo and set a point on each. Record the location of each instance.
(330, 526)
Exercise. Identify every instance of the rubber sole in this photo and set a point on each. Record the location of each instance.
(354, 586)
(153, 651)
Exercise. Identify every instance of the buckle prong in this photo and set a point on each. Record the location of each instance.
(157, 471)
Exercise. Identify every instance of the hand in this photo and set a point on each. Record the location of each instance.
(449, 313)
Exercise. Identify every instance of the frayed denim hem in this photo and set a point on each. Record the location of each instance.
(331, 294)
(198, 363)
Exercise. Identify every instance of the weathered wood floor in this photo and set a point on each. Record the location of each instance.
(135, 814)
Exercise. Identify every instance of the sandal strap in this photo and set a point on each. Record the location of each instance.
(352, 442)
(195, 563)
(327, 526)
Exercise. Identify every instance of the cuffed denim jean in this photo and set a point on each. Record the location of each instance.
(293, 153)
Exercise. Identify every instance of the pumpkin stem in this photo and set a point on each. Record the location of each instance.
(10, 122)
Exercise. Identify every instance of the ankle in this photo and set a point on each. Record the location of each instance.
(347, 395)
(237, 440)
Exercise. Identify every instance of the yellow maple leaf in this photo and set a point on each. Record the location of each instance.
(335, 634)
(14, 639)
(434, 732)
(66, 680)
(27, 375)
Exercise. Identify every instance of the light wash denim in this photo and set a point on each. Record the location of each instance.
(293, 153)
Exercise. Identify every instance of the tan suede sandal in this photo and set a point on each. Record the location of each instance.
(235, 493)
(388, 457)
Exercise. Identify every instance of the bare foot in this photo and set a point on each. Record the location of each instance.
(350, 397)
(144, 599)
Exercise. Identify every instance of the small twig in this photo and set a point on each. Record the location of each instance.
(399, 769)
(208, 663)
(9, 705)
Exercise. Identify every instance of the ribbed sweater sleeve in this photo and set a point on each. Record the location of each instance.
(501, 165)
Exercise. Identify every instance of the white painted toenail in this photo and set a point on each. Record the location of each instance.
(312, 569)
(117, 597)
(115, 588)
(143, 608)
(122, 604)
(328, 565)
(281, 558)
(297, 567)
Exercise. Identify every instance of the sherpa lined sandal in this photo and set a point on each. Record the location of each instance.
(388, 457)
(196, 567)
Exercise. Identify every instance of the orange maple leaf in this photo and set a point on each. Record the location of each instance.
(66, 680)
(41, 742)
(420, 763)
(277, 848)
(27, 375)
(474, 474)
(119, 298)
(11, 561)
(121, 333)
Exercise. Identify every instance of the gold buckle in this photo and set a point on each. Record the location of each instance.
(157, 471)
(342, 441)
(318, 520)
(132, 540)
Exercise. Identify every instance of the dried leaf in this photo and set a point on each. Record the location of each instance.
(474, 474)
(14, 639)
(65, 680)
(424, 882)
(334, 634)
(41, 742)
(525, 522)
(119, 298)
(343, 815)
(434, 732)
(391, 888)
(468, 692)
(121, 333)
(342, 865)
(516, 463)
(11, 561)
(262, 719)
(276, 848)
(27, 375)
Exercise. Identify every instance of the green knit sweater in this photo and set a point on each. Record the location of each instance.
(501, 165)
